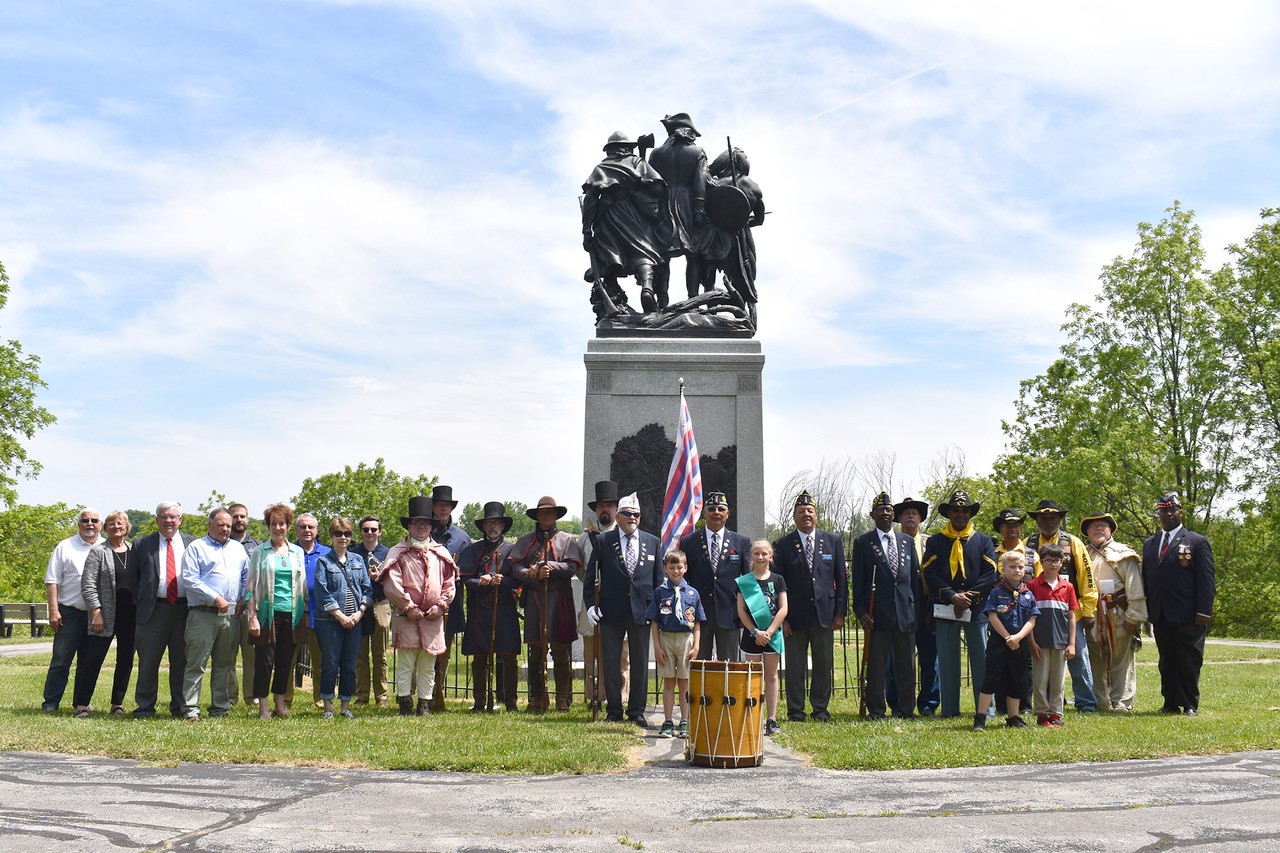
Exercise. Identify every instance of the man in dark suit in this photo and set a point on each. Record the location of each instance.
(1177, 573)
(155, 568)
(626, 560)
(886, 572)
(717, 557)
(811, 561)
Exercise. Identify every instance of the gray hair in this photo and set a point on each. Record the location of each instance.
(88, 509)
(163, 505)
(217, 511)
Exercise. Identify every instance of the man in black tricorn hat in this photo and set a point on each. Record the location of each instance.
(493, 628)
(454, 539)
(886, 573)
(544, 563)
(1077, 568)
(1178, 573)
(717, 557)
(619, 220)
(960, 568)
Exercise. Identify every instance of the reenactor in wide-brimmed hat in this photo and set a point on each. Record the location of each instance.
(1122, 608)
(493, 627)
(1050, 515)
(960, 568)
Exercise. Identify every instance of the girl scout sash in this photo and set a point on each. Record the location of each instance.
(758, 607)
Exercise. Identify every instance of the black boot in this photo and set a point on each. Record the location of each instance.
(424, 707)
(406, 705)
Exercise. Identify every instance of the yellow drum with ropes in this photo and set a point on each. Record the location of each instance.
(724, 714)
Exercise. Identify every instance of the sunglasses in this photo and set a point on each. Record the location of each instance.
(346, 534)
(368, 530)
(629, 514)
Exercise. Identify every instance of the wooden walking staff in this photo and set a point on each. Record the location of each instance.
(489, 674)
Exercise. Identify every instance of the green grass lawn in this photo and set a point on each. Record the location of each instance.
(1239, 711)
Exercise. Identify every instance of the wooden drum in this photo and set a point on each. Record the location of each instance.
(724, 714)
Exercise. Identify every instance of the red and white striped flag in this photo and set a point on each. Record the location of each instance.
(684, 484)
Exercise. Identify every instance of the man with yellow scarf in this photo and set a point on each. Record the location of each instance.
(960, 569)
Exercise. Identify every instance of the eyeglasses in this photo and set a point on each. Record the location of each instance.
(90, 521)
(626, 513)
(346, 534)
(368, 530)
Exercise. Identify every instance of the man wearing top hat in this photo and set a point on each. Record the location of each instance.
(910, 514)
(619, 219)
(544, 563)
(682, 219)
(717, 557)
(1177, 571)
(626, 561)
(1049, 518)
(1122, 608)
(886, 572)
(493, 628)
(454, 539)
(960, 568)
(811, 562)
(605, 509)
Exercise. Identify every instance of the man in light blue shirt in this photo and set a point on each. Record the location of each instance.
(215, 569)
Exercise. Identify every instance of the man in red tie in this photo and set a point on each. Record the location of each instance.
(154, 564)
(1177, 573)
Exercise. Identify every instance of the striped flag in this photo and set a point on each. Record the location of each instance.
(684, 484)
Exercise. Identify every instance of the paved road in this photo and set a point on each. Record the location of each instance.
(1224, 803)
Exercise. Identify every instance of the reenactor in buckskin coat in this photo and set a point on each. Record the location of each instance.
(493, 626)
(543, 563)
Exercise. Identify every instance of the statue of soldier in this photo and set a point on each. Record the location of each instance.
(736, 214)
(619, 222)
(682, 225)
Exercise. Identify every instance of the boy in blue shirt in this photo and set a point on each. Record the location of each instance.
(675, 612)
(1012, 612)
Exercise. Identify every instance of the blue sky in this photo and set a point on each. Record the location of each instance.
(254, 242)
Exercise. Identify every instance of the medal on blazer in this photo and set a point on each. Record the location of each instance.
(1184, 555)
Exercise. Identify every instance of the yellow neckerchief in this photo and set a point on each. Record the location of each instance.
(957, 547)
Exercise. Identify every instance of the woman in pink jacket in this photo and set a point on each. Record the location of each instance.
(418, 577)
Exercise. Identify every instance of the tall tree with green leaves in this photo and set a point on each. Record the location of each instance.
(1138, 402)
(363, 490)
(29, 535)
(20, 415)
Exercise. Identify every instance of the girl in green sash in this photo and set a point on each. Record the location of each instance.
(762, 608)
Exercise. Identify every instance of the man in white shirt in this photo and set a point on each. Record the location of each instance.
(68, 618)
(215, 569)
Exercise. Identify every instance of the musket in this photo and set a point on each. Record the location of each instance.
(490, 675)
(866, 651)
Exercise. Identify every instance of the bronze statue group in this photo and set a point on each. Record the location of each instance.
(1032, 611)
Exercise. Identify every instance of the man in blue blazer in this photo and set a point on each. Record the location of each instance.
(1177, 574)
(627, 562)
(717, 557)
(886, 572)
(155, 568)
(811, 561)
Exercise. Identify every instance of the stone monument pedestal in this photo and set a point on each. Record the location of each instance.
(633, 394)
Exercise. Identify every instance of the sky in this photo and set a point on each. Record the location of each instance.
(253, 242)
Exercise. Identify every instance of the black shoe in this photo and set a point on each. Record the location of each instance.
(905, 717)
(979, 722)
(927, 712)
(796, 717)
(639, 720)
(1170, 709)
(404, 706)
(49, 708)
(142, 714)
(1016, 723)
(648, 301)
(821, 716)
(1189, 712)
(875, 716)
(612, 718)
(771, 727)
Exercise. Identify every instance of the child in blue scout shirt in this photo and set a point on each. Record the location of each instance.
(1012, 612)
(762, 608)
(675, 612)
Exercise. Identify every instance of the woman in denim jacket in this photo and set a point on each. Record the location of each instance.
(343, 594)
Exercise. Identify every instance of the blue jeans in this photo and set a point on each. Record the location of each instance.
(339, 650)
(947, 632)
(1082, 673)
(67, 642)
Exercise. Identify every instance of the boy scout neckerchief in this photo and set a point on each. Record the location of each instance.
(759, 607)
(957, 547)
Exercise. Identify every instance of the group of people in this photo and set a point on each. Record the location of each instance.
(1058, 603)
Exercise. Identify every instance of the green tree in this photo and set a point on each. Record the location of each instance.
(1247, 298)
(29, 534)
(363, 490)
(20, 416)
(1137, 403)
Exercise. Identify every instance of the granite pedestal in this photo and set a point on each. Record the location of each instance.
(633, 393)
